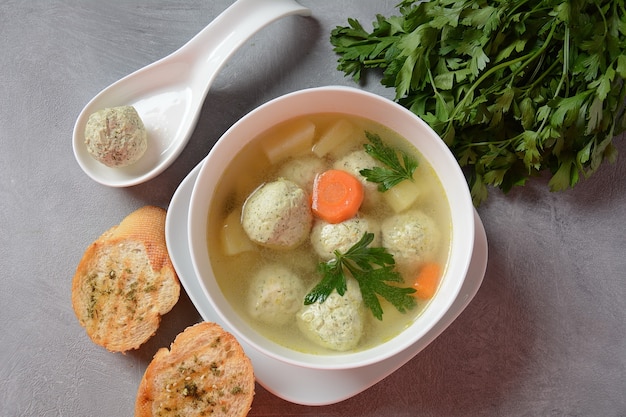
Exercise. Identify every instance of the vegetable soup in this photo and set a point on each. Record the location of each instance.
(308, 273)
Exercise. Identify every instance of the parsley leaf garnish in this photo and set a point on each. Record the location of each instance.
(513, 88)
(394, 172)
(372, 267)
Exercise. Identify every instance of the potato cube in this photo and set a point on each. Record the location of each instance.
(333, 137)
(234, 238)
(294, 138)
(402, 195)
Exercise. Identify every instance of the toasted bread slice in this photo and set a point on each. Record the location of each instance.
(125, 282)
(205, 373)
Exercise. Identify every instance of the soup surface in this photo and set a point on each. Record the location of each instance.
(296, 152)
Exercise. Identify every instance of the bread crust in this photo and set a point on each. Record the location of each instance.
(205, 372)
(125, 282)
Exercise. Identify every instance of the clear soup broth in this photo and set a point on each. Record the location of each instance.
(296, 150)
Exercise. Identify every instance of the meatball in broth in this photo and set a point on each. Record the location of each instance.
(338, 322)
(277, 215)
(327, 238)
(411, 237)
(275, 295)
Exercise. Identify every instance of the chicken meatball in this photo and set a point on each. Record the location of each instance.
(302, 171)
(338, 322)
(275, 295)
(353, 163)
(277, 215)
(326, 237)
(411, 237)
(116, 136)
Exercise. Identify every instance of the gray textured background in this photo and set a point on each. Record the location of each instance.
(545, 335)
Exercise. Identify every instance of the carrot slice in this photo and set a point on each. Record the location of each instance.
(427, 281)
(337, 196)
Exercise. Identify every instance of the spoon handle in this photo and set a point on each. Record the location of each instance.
(209, 50)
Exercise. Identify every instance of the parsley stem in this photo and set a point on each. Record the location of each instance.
(565, 62)
(370, 62)
(536, 82)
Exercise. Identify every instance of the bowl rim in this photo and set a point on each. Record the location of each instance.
(300, 103)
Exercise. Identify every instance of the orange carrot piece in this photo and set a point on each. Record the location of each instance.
(427, 281)
(337, 196)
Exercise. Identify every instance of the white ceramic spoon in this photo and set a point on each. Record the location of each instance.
(168, 94)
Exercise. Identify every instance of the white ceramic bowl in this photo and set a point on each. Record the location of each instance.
(363, 104)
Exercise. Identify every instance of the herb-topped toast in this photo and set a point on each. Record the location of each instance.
(205, 372)
(125, 282)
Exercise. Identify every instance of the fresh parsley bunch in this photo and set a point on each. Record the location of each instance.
(514, 87)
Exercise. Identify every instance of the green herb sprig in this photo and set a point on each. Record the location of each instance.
(395, 170)
(372, 267)
(514, 88)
